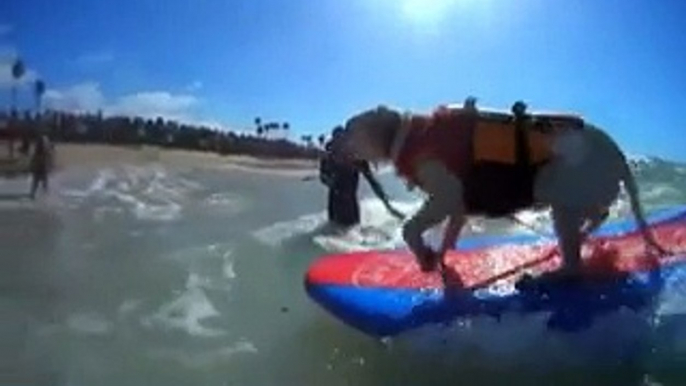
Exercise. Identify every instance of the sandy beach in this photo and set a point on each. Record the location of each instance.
(88, 156)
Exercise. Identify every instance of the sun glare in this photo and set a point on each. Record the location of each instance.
(426, 11)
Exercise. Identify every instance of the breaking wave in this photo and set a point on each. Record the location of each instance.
(380, 230)
(209, 268)
(146, 193)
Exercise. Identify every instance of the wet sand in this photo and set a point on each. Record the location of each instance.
(94, 156)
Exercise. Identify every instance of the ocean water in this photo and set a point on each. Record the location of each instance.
(152, 275)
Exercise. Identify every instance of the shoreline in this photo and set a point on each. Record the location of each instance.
(70, 156)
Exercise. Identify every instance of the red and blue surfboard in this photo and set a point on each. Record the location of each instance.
(383, 293)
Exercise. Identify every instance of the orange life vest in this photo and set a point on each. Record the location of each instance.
(495, 155)
(444, 136)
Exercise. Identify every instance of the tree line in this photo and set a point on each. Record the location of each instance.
(68, 127)
(270, 139)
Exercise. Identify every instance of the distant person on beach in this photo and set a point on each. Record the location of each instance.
(341, 175)
(41, 162)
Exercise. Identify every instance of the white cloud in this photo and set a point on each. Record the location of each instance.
(88, 97)
(5, 29)
(82, 97)
(94, 58)
(155, 103)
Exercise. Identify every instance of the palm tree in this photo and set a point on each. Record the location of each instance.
(39, 90)
(321, 139)
(307, 139)
(259, 128)
(285, 127)
(271, 126)
(18, 71)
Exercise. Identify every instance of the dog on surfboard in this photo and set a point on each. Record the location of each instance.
(491, 163)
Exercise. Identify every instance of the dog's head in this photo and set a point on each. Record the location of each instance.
(369, 135)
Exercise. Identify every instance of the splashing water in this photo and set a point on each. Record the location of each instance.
(147, 193)
(148, 275)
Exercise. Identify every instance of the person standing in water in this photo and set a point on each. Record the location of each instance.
(41, 162)
(341, 175)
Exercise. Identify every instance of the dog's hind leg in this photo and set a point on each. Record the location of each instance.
(567, 222)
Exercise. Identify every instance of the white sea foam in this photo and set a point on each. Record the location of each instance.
(378, 229)
(226, 203)
(661, 192)
(277, 233)
(128, 307)
(639, 158)
(210, 267)
(147, 193)
(204, 358)
(187, 311)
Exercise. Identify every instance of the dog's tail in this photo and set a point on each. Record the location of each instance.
(632, 190)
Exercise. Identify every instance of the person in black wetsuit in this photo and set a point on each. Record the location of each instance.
(41, 162)
(342, 175)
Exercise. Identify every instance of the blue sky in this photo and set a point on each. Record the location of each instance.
(314, 63)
